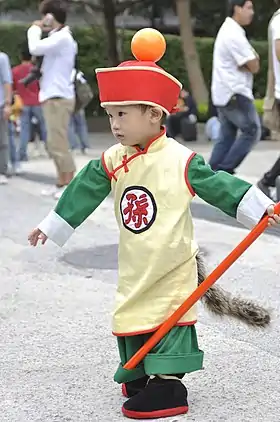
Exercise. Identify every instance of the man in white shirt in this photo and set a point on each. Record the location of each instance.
(57, 93)
(273, 89)
(234, 63)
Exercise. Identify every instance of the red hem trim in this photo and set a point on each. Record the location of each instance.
(151, 330)
(186, 174)
(156, 414)
(109, 174)
(124, 391)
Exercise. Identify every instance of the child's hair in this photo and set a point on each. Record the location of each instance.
(57, 8)
(145, 107)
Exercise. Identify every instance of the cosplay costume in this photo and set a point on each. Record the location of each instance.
(153, 189)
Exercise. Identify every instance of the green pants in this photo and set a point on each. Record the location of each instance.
(176, 353)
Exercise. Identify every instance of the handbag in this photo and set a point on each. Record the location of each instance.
(83, 91)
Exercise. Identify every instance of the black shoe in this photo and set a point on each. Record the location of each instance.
(161, 398)
(264, 188)
(232, 172)
(132, 388)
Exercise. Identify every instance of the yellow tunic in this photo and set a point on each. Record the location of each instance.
(157, 266)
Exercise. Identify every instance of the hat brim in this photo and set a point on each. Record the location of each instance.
(127, 103)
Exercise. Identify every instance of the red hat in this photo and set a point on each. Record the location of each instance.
(139, 82)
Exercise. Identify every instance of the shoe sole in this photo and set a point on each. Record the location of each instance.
(155, 414)
(124, 392)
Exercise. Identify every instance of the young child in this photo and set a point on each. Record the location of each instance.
(154, 179)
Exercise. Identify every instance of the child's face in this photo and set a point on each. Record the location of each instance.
(131, 125)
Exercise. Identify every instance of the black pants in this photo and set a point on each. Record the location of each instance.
(180, 124)
(173, 124)
(270, 177)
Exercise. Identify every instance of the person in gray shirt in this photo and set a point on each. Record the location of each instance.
(5, 111)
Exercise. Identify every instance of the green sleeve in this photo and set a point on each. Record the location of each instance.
(84, 194)
(220, 189)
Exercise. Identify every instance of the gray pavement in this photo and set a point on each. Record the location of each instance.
(57, 354)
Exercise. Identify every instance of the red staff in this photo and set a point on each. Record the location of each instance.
(200, 291)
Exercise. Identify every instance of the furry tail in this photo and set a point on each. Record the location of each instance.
(220, 302)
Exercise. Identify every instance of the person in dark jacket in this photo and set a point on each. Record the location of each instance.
(185, 119)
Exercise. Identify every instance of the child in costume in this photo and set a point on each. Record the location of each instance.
(153, 179)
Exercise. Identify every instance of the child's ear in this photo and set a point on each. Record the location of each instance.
(156, 114)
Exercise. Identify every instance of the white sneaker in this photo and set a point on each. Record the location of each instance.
(87, 151)
(31, 150)
(50, 191)
(42, 149)
(59, 192)
(3, 179)
(10, 169)
(17, 169)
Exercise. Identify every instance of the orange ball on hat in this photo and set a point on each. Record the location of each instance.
(148, 44)
(140, 81)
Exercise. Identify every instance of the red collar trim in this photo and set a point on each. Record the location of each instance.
(145, 150)
(126, 160)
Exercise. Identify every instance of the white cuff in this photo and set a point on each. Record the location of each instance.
(252, 207)
(247, 59)
(57, 229)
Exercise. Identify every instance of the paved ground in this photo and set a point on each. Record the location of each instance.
(57, 356)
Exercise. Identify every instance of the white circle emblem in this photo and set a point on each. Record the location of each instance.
(138, 209)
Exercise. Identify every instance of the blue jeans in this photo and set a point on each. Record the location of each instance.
(229, 151)
(13, 155)
(26, 128)
(78, 131)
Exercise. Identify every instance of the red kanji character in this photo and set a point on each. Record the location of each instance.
(130, 197)
(136, 209)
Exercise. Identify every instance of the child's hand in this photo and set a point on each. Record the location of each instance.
(35, 236)
(274, 218)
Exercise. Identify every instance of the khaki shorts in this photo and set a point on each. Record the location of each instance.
(57, 113)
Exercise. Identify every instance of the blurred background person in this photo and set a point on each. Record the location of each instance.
(234, 63)
(31, 106)
(183, 122)
(5, 112)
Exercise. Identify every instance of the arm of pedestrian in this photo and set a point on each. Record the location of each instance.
(8, 100)
(235, 197)
(7, 80)
(252, 65)
(5, 70)
(191, 104)
(275, 34)
(277, 49)
(81, 197)
(244, 54)
(38, 46)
